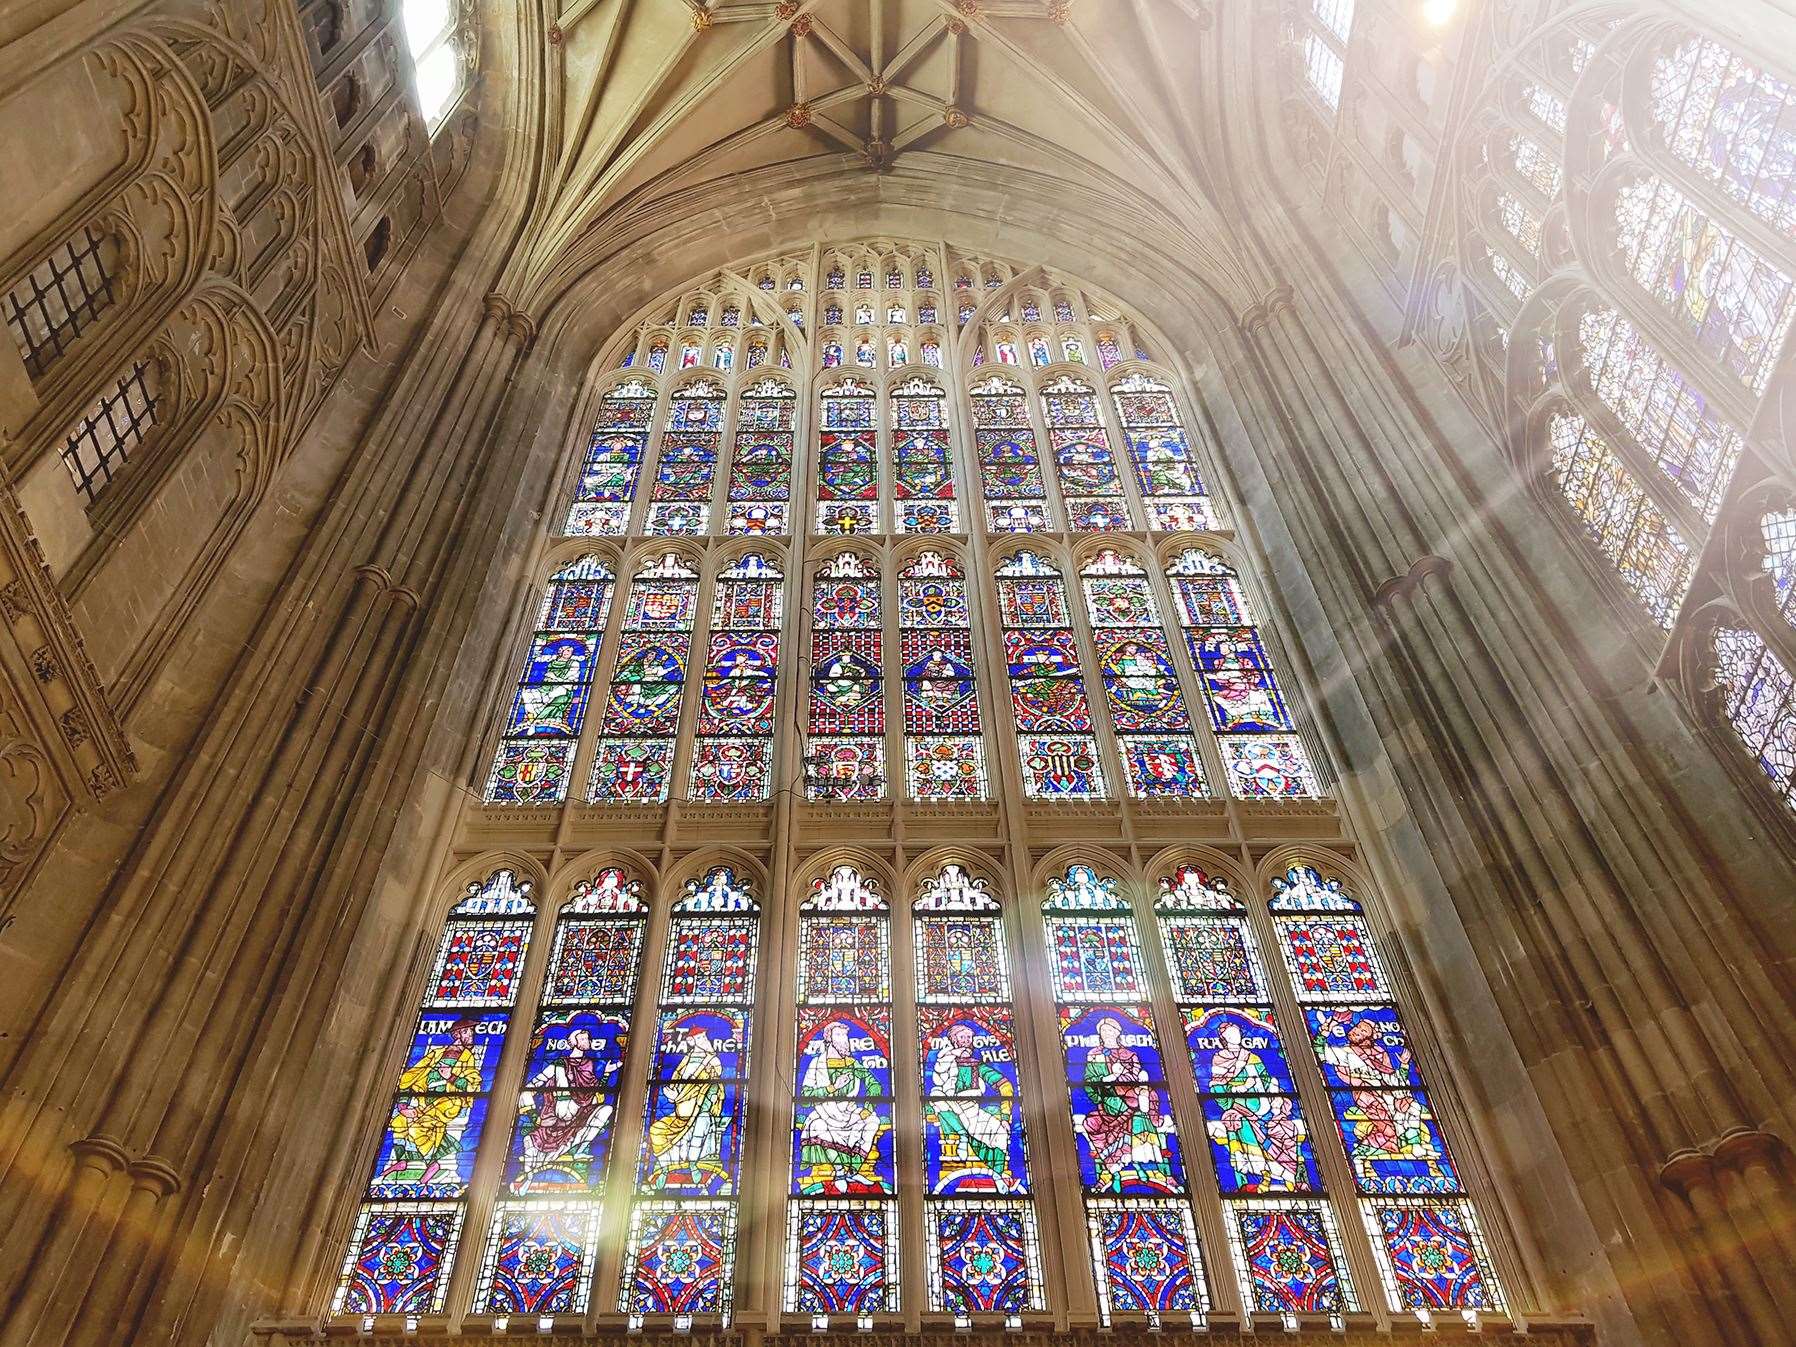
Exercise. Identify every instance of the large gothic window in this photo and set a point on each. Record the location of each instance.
(787, 609)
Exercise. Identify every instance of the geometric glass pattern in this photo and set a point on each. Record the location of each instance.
(641, 715)
(760, 481)
(1090, 488)
(979, 1224)
(847, 461)
(686, 466)
(1010, 473)
(403, 1249)
(943, 748)
(732, 756)
(923, 483)
(536, 747)
(1161, 455)
(540, 1249)
(1287, 1257)
(1141, 685)
(846, 722)
(1424, 1232)
(842, 1224)
(1262, 756)
(1055, 742)
(1144, 1248)
(680, 1250)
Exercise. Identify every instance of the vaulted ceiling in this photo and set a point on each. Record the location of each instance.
(657, 97)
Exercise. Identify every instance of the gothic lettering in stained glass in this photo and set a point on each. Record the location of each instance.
(680, 1246)
(846, 723)
(981, 1242)
(1412, 1199)
(732, 755)
(1141, 687)
(548, 708)
(1144, 1244)
(842, 1219)
(1280, 1228)
(1262, 756)
(409, 1226)
(944, 749)
(1058, 751)
(543, 1236)
(638, 732)
(620, 436)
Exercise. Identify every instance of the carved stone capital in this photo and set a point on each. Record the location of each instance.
(1686, 1171)
(100, 1152)
(154, 1175)
(1746, 1148)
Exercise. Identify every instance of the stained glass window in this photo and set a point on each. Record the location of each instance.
(760, 485)
(944, 750)
(983, 1250)
(1323, 66)
(845, 755)
(1757, 690)
(1668, 417)
(1281, 1231)
(1144, 1246)
(842, 1221)
(1723, 292)
(607, 482)
(1336, 16)
(847, 461)
(680, 503)
(1161, 454)
(1522, 222)
(1732, 122)
(1009, 462)
(923, 483)
(1055, 739)
(409, 1225)
(543, 1236)
(1548, 106)
(1141, 684)
(548, 708)
(1539, 168)
(634, 762)
(1645, 548)
(1262, 756)
(1779, 531)
(732, 756)
(1090, 487)
(680, 1247)
(1423, 1230)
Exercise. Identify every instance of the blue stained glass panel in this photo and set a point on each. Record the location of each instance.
(679, 1258)
(1245, 700)
(694, 1131)
(1259, 1144)
(840, 1252)
(1289, 1259)
(1394, 1144)
(1162, 766)
(1227, 648)
(982, 1261)
(1433, 1258)
(576, 1050)
(539, 1259)
(429, 1145)
(842, 1145)
(398, 1260)
(1096, 958)
(845, 1050)
(1147, 1261)
(1236, 1050)
(1362, 1047)
(453, 1053)
(725, 1033)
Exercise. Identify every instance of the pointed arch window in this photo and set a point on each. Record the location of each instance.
(1262, 755)
(981, 1243)
(1090, 488)
(923, 484)
(846, 726)
(1759, 700)
(1144, 1245)
(548, 708)
(634, 763)
(680, 1245)
(1281, 1231)
(410, 1223)
(1165, 467)
(732, 758)
(847, 461)
(1055, 742)
(943, 750)
(680, 504)
(1536, 166)
(1734, 302)
(1141, 684)
(760, 487)
(1732, 122)
(542, 1239)
(1423, 1229)
(1016, 497)
(842, 1220)
(620, 434)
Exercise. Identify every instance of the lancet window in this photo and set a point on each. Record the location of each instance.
(944, 750)
(846, 724)
(1090, 489)
(641, 715)
(607, 484)
(848, 461)
(1056, 746)
(687, 465)
(760, 484)
(923, 482)
(1009, 461)
(732, 757)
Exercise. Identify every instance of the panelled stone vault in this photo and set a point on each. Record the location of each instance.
(917, 670)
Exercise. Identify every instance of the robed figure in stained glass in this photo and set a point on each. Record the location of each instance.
(562, 1111)
(840, 1134)
(973, 1101)
(1258, 1128)
(687, 1135)
(1124, 1125)
(1386, 1120)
